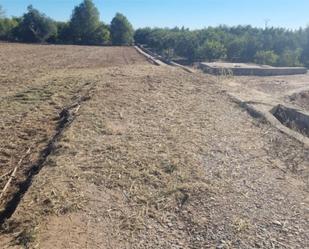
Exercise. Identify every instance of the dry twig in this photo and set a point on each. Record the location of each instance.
(14, 173)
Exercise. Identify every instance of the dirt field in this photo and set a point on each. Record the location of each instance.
(141, 157)
(37, 84)
(289, 90)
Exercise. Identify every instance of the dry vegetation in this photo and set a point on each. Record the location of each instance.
(155, 158)
(301, 99)
(290, 89)
(37, 83)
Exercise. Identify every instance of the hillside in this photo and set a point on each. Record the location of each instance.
(139, 156)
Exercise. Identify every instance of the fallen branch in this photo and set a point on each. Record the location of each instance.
(14, 173)
(6, 174)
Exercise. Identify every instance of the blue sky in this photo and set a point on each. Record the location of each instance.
(189, 13)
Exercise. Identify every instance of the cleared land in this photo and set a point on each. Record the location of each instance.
(38, 84)
(268, 94)
(289, 90)
(154, 157)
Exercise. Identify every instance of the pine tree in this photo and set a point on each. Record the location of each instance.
(122, 32)
(84, 22)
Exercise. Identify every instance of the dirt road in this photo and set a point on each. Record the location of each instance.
(158, 158)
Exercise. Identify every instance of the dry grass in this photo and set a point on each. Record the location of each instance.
(162, 164)
(159, 158)
(301, 99)
(37, 83)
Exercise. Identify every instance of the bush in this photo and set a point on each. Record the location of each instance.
(141, 36)
(101, 35)
(266, 58)
(290, 58)
(35, 27)
(211, 50)
(7, 27)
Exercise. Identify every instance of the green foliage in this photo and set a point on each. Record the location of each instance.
(266, 58)
(122, 32)
(235, 49)
(101, 35)
(7, 26)
(35, 27)
(186, 45)
(305, 41)
(211, 50)
(141, 36)
(84, 27)
(275, 46)
(290, 58)
(85, 23)
(64, 33)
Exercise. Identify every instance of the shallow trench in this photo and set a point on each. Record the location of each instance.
(66, 117)
(292, 118)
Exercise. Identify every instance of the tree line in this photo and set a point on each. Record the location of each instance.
(273, 46)
(84, 28)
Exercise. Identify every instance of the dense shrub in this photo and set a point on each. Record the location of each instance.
(211, 50)
(266, 58)
(35, 27)
(7, 27)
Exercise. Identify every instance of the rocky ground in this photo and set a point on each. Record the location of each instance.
(151, 157)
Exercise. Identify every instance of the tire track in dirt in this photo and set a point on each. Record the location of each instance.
(124, 56)
(162, 163)
(66, 117)
(29, 111)
(36, 127)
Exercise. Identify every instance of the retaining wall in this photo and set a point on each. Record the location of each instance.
(292, 118)
(238, 71)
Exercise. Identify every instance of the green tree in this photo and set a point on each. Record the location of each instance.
(64, 33)
(121, 31)
(85, 25)
(235, 49)
(305, 47)
(35, 26)
(212, 50)
(240, 43)
(101, 35)
(141, 36)
(186, 45)
(290, 58)
(266, 58)
(7, 27)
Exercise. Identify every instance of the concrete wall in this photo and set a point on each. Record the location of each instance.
(252, 71)
(292, 118)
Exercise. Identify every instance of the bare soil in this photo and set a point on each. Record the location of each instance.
(24, 65)
(37, 83)
(290, 90)
(155, 158)
(300, 99)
